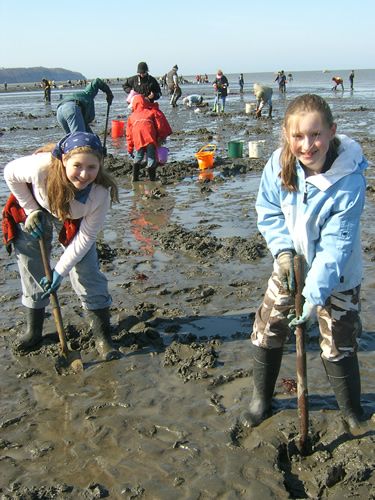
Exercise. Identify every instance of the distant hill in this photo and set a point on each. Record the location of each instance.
(29, 75)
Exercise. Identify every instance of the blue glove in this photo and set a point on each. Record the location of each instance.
(49, 287)
(307, 317)
(34, 224)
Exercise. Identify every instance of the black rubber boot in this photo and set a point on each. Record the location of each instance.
(136, 169)
(101, 330)
(266, 369)
(152, 173)
(33, 334)
(345, 380)
(270, 112)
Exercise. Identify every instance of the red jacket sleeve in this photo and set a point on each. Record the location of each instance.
(129, 136)
(163, 128)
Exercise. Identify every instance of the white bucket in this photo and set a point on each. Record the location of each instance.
(256, 149)
(250, 107)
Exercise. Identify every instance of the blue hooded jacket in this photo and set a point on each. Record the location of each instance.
(320, 221)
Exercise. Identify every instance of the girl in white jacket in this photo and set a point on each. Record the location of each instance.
(310, 201)
(66, 188)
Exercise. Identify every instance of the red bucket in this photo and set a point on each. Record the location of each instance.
(118, 128)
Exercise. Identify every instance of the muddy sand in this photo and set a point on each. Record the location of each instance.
(162, 422)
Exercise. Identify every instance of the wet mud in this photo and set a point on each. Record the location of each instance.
(187, 269)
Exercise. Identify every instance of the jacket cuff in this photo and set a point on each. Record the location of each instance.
(283, 250)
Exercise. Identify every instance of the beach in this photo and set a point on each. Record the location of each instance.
(187, 269)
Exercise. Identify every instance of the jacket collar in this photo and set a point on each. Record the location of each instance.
(350, 159)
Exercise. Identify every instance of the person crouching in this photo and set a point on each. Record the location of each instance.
(62, 187)
(146, 129)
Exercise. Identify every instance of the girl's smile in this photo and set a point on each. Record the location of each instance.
(82, 169)
(309, 138)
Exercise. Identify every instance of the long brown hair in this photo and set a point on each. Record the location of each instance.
(60, 191)
(303, 103)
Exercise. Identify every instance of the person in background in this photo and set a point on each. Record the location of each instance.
(193, 100)
(241, 83)
(143, 83)
(337, 81)
(263, 95)
(174, 85)
(281, 79)
(76, 111)
(63, 186)
(310, 200)
(146, 129)
(46, 85)
(351, 80)
(220, 85)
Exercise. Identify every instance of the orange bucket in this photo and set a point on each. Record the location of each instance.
(206, 176)
(206, 158)
(118, 128)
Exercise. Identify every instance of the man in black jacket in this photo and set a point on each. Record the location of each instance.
(143, 83)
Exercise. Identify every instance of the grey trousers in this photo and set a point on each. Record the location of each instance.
(87, 280)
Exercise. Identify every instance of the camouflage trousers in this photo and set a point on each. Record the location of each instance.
(339, 321)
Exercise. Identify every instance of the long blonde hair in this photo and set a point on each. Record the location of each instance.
(60, 191)
(303, 103)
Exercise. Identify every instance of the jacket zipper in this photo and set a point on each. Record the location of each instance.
(305, 194)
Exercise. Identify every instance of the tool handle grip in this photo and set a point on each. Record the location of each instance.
(106, 128)
(302, 392)
(54, 299)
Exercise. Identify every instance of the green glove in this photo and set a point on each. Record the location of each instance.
(34, 224)
(286, 270)
(109, 97)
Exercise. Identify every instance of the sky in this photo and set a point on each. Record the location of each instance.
(108, 38)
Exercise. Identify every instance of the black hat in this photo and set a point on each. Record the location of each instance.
(142, 67)
(175, 66)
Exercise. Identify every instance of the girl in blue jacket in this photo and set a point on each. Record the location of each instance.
(310, 201)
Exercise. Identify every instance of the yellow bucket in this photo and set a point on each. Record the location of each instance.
(206, 158)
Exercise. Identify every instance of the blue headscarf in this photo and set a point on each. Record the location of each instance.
(77, 140)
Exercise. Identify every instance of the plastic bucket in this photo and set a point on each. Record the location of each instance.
(250, 107)
(118, 127)
(132, 93)
(162, 155)
(206, 158)
(235, 149)
(256, 149)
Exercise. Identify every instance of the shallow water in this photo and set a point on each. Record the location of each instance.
(25, 119)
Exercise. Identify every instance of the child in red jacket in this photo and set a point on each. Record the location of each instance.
(146, 128)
